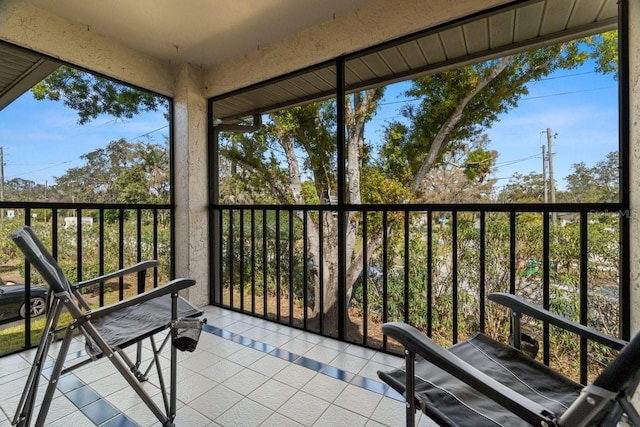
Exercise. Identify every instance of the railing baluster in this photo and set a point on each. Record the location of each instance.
(512, 252)
(265, 264)
(454, 274)
(121, 238)
(546, 283)
(253, 261)
(305, 270)
(291, 261)
(365, 280)
(241, 257)
(407, 268)
(230, 256)
(429, 274)
(482, 278)
(79, 245)
(277, 262)
(155, 246)
(584, 293)
(321, 271)
(385, 261)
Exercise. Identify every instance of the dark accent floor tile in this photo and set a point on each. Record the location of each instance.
(310, 363)
(242, 340)
(225, 334)
(69, 382)
(284, 354)
(100, 411)
(394, 395)
(119, 421)
(369, 384)
(338, 373)
(82, 396)
(210, 329)
(260, 346)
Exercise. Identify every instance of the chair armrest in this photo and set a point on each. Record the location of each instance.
(415, 341)
(172, 287)
(141, 266)
(521, 306)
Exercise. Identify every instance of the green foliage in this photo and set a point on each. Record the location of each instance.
(380, 188)
(122, 172)
(91, 95)
(596, 184)
(605, 52)
(393, 151)
(478, 164)
(523, 189)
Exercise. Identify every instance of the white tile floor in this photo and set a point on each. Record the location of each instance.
(245, 372)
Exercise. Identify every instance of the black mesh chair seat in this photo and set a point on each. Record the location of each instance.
(131, 324)
(449, 401)
(483, 382)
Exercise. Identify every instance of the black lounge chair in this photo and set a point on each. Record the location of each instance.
(482, 382)
(107, 331)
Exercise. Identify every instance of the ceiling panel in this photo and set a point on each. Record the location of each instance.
(432, 47)
(20, 69)
(453, 43)
(501, 28)
(527, 22)
(476, 36)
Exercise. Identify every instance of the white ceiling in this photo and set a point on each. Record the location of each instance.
(205, 32)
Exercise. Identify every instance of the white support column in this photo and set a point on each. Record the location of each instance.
(190, 181)
(634, 166)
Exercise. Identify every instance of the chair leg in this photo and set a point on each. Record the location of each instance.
(55, 376)
(174, 355)
(163, 387)
(409, 391)
(26, 404)
(126, 373)
(630, 410)
(134, 366)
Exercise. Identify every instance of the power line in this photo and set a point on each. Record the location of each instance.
(539, 80)
(150, 132)
(512, 162)
(39, 170)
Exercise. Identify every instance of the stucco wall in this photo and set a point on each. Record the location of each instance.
(35, 29)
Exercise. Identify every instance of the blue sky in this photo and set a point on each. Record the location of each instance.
(41, 139)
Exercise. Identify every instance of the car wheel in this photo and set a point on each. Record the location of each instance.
(38, 307)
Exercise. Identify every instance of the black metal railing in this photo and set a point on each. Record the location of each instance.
(428, 265)
(88, 240)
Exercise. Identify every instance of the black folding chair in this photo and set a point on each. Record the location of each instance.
(107, 331)
(482, 382)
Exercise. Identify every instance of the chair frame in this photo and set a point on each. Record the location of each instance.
(591, 399)
(67, 296)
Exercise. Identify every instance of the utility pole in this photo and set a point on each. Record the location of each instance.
(552, 185)
(544, 173)
(551, 181)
